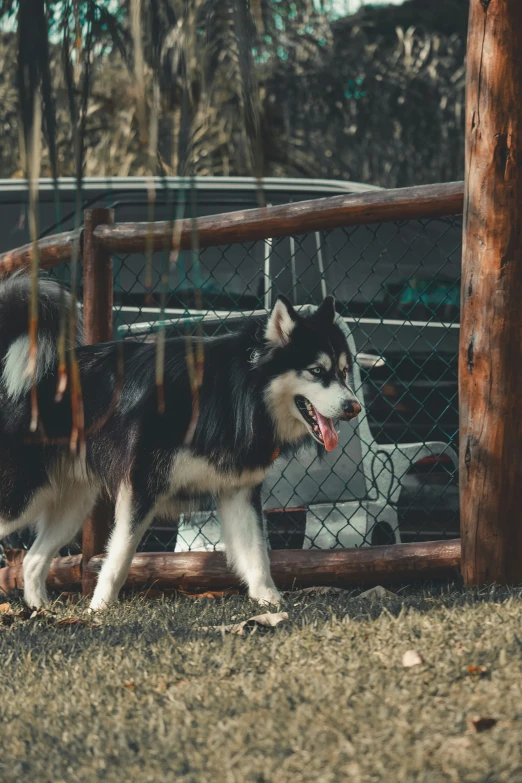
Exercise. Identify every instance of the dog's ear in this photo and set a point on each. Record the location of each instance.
(281, 322)
(326, 310)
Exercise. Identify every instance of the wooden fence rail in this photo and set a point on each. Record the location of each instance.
(302, 217)
(53, 251)
(422, 202)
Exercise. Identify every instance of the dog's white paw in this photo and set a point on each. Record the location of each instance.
(36, 600)
(35, 597)
(35, 591)
(267, 596)
(100, 603)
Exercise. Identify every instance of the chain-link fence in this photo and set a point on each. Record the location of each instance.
(394, 475)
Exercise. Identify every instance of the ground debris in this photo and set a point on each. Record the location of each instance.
(411, 658)
(477, 671)
(482, 723)
(259, 622)
(211, 594)
(315, 591)
(376, 593)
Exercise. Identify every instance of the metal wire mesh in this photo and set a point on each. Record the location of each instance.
(394, 478)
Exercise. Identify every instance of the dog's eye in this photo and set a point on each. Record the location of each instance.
(317, 371)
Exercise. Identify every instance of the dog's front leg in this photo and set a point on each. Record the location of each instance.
(241, 521)
(132, 518)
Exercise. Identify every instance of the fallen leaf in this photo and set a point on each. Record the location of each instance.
(411, 658)
(481, 723)
(210, 594)
(5, 609)
(38, 614)
(268, 620)
(130, 684)
(260, 621)
(477, 671)
(377, 592)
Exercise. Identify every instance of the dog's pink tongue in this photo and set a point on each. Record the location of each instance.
(330, 437)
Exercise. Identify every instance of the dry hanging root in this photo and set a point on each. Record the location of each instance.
(195, 361)
(78, 428)
(61, 382)
(34, 157)
(195, 365)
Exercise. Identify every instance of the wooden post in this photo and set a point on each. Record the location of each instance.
(97, 328)
(490, 362)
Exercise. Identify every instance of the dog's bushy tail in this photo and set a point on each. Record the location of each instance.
(15, 293)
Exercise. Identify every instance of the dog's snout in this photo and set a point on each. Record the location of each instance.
(351, 408)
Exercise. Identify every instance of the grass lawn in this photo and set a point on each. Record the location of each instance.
(146, 695)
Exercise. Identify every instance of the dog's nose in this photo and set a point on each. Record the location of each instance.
(351, 409)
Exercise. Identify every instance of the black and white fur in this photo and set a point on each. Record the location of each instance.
(247, 413)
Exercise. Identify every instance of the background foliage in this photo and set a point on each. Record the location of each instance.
(234, 87)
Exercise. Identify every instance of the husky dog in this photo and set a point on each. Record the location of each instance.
(266, 389)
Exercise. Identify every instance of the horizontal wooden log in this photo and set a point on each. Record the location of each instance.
(65, 574)
(350, 209)
(395, 563)
(53, 251)
(290, 567)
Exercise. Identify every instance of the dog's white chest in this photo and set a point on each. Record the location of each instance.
(196, 475)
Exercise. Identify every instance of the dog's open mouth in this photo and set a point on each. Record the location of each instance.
(321, 428)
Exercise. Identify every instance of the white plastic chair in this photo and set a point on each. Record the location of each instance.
(353, 491)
